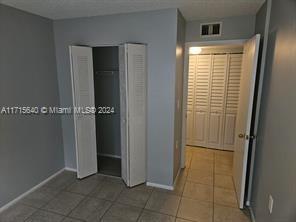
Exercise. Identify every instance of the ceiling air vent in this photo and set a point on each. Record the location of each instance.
(211, 29)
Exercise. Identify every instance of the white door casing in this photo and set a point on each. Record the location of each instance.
(83, 96)
(244, 116)
(185, 127)
(212, 99)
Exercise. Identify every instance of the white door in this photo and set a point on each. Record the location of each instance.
(244, 116)
(133, 77)
(83, 96)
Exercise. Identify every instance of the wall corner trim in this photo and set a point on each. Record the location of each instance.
(166, 187)
(14, 201)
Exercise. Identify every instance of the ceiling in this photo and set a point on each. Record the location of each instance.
(191, 9)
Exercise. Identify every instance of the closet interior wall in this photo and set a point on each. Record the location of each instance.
(106, 85)
(213, 97)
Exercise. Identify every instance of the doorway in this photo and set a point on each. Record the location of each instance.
(107, 100)
(213, 95)
(219, 87)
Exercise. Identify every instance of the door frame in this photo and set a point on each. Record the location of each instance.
(98, 46)
(74, 97)
(241, 184)
(261, 74)
(185, 82)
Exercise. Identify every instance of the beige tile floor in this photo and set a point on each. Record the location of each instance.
(208, 194)
(204, 192)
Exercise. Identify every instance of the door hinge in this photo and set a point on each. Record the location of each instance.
(252, 137)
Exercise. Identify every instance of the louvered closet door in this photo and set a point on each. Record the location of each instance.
(216, 105)
(232, 100)
(83, 96)
(190, 98)
(201, 95)
(137, 94)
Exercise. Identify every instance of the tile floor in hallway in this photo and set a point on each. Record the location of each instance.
(204, 193)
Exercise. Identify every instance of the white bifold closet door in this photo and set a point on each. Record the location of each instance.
(232, 100)
(201, 102)
(216, 100)
(83, 96)
(133, 97)
(133, 92)
(213, 91)
(198, 92)
(190, 99)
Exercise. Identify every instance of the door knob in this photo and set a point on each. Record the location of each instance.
(241, 135)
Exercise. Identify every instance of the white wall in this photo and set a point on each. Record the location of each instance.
(157, 29)
(240, 27)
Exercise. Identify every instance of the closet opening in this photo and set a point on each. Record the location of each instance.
(218, 98)
(112, 140)
(107, 102)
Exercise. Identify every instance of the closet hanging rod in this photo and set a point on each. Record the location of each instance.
(106, 72)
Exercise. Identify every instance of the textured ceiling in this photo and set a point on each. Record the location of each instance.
(191, 9)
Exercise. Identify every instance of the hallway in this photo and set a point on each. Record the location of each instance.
(207, 187)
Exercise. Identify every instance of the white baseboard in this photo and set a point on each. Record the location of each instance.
(71, 169)
(252, 214)
(29, 191)
(166, 187)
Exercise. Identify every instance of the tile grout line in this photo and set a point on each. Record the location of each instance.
(157, 212)
(125, 204)
(84, 197)
(181, 197)
(112, 202)
(235, 191)
(182, 193)
(69, 183)
(186, 179)
(144, 207)
(41, 208)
